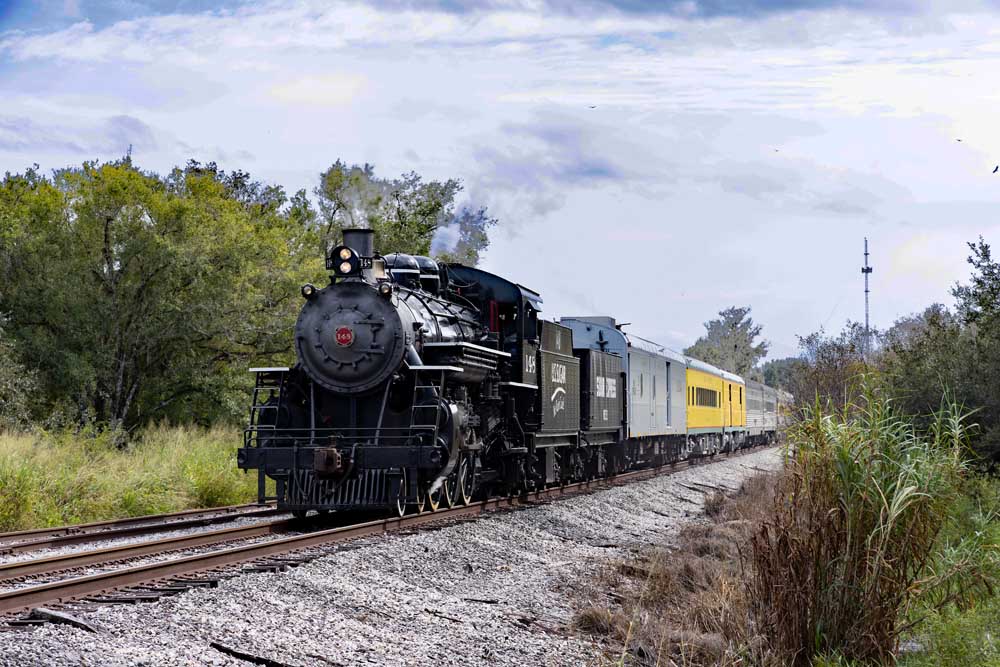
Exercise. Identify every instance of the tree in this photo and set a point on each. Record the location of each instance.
(832, 365)
(17, 387)
(782, 373)
(406, 213)
(940, 352)
(138, 297)
(730, 342)
(979, 301)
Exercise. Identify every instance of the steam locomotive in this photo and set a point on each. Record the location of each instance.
(418, 385)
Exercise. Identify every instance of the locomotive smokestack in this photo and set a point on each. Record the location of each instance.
(362, 241)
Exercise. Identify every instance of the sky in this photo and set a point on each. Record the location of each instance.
(655, 161)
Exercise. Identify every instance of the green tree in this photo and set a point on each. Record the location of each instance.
(138, 297)
(406, 212)
(730, 342)
(940, 353)
(832, 365)
(18, 388)
(782, 373)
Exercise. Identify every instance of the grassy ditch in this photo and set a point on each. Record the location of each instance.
(874, 536)
(49, 479)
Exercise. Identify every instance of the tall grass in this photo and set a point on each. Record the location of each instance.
(49, 479)
(853, 540)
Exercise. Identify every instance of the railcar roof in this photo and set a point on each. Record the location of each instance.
(654, 348)
(709, 368)
(608, 323)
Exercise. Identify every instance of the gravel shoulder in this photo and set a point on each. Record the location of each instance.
(500, 590)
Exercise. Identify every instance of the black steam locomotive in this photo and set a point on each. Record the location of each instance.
(420, 385)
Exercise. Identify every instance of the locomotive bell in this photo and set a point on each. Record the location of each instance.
(351, 339)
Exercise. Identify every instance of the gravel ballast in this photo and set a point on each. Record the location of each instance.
(499, 590)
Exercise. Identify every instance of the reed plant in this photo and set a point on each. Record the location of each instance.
(853, 541)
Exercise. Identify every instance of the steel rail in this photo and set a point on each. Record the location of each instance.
(52, 542)
(97, 526)
(78, 559)
(65, 590)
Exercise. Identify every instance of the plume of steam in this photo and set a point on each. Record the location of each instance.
(446, 238)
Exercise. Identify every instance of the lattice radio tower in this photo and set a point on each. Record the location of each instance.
(866, 270)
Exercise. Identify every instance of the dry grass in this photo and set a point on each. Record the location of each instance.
(685, 605)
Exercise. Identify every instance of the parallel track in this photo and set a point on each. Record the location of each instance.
(42, 538)
(70, 561)
(170, 574)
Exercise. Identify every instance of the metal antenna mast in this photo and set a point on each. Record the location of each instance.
(866, 270)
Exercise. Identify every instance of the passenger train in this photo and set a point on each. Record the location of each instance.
(418, 385)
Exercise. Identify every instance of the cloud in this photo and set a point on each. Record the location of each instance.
(681, 8)
(129, 131)
(329, 90)
(765, 137)
(112, 136)
(539, 164)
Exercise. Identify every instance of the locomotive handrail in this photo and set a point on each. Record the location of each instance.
(455, 369)
(472, 346)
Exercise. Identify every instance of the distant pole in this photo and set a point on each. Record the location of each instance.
(866, 270)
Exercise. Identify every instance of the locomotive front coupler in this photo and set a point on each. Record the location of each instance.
(328, 462)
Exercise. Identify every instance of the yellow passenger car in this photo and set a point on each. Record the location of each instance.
(716, 408)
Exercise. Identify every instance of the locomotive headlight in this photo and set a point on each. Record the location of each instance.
(345, 267)
(308, 291)
(385, 289)
(345, 254)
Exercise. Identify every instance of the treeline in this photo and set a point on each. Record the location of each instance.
(128, 297)
(927, 359)
(939, 355)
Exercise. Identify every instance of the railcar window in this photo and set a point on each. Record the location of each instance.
(741, 395)
(730, 393)
(706, 398)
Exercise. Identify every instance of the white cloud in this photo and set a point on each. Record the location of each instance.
(330, 90)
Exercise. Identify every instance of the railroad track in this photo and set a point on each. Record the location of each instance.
(48, 538)
(152, 581)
